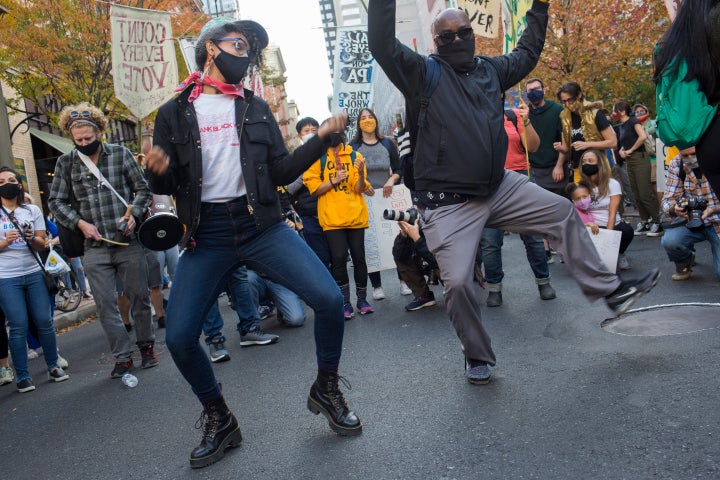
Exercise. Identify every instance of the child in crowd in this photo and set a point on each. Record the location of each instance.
(581, 196)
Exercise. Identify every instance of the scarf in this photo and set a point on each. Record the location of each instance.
(199, 80)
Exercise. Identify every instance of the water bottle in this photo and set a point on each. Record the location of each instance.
(130, 380)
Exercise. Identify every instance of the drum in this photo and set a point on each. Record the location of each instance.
(162, 229)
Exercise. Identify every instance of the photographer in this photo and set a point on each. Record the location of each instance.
(409, 253)
(689, 198)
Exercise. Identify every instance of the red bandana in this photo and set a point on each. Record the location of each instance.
(199, 81)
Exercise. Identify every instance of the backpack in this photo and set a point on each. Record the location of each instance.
(683, 112)
(323, 161)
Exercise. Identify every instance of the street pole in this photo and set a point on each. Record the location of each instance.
(6, 157)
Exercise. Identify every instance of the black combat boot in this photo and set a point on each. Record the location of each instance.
(326, 398)
(220, 431)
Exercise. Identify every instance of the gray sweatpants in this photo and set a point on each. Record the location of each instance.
(101, 263)
(453, 235)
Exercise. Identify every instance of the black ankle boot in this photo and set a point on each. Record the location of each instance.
(326, 398)
(220, 431)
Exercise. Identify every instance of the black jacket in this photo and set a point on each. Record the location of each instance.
(462, 148)
(265, 161)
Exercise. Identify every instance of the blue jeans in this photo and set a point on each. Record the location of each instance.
(213, 324)
(22, 298)
(77, 266)
(225, 239)
(679, 244)
(287, 302)
(315, 237)
(242, 298)
(491, 246)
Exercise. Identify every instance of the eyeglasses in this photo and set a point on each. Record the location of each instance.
(449, 37)
(241, 46)
(569, 101)
(83, 114)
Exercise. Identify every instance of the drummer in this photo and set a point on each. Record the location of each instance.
(101, 216)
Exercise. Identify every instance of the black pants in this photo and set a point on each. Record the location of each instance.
(708, 154)
(339, 242)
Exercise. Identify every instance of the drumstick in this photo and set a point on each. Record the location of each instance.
(122, 244)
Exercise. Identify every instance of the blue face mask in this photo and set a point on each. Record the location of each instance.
(535, 96)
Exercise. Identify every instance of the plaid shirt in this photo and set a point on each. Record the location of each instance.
(92, 201)
(676, 189)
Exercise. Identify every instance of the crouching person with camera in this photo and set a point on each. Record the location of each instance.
(690, 199)
(411, 254)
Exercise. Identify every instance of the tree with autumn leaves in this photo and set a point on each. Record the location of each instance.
(60, 49)
(604, 45)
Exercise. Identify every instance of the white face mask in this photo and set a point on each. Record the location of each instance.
(305, 138)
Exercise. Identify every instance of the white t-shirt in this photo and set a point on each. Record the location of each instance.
(599, 207)
(16, 260)
(222, 171)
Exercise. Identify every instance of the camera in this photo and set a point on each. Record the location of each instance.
(409, 215)
(694, 206)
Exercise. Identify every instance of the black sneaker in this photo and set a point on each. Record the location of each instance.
(656, 230)
(57, 375)
(630, 290)
(476, 372)
(25, 385)
(121, 368)
(420, 302)
(149, 359)
(641, 228)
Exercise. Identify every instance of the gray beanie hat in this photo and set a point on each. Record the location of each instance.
(222, 26)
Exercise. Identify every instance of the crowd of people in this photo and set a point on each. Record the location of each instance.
(555, 172)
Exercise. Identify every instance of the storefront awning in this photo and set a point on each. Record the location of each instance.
(65, 145)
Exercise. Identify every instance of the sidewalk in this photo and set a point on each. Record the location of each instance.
(64, 320)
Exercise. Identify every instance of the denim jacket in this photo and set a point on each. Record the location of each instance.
(265, 161)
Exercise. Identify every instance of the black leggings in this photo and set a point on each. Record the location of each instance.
(708, 154)
(339, 242)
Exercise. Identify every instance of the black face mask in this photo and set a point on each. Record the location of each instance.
(590, 170)
(10, 190)
(335, 139)
(232, 68)
(459, 54)
(88, 149)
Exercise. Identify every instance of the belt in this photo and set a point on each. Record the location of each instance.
(431, 200)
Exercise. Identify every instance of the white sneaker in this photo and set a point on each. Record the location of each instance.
(6, 375)
(61, 362)
(378, 293)
(32, 354)
(404, 289)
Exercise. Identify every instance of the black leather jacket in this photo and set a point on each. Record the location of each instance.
(462, 147)
(265, 161)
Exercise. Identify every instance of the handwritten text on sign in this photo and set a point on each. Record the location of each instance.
(484, 16)
(143, 56)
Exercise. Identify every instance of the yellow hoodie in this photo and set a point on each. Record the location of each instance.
(340, 207)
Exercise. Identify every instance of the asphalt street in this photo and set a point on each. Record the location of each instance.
(568, 400)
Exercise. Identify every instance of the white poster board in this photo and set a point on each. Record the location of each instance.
(380, 235)
(484, 16)
(353, 75)
(607, 244)
(143, 58)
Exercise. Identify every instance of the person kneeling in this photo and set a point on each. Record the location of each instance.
(691, 200)
(409, 252)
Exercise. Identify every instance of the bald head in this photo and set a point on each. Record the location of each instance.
(451, 20)
(453, 16)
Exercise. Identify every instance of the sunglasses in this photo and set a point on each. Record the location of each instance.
(83, 114)
(446, 38)
(241, 45)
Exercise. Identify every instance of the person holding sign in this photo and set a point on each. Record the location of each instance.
(459, 180)
(606, 198)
